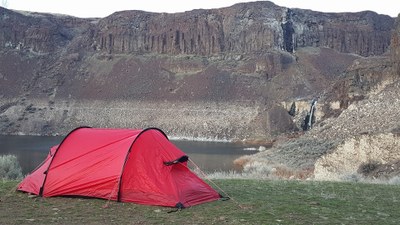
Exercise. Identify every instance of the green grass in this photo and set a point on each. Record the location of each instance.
(254, 202)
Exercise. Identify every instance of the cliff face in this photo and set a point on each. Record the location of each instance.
(246, 58)
(365, 33)
(238, 29)
(395, 47)
(244, 28)
(40, 33)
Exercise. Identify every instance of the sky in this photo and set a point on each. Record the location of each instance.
(89, 8)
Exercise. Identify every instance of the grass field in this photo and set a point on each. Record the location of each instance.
(253, 202)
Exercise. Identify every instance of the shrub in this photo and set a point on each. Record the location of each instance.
(10, 168)
(368, 168)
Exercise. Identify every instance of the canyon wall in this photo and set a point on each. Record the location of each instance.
(242, 28)
(240, 62)
(395, 47)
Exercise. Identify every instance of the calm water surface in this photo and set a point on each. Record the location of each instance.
(209, 156)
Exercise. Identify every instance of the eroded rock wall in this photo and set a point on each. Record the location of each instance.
(364, 33)
(395, 48)
(190, 120)
(242, 28)
(38, 33)
(348, 159)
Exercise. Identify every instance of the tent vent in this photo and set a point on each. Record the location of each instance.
(179, 160)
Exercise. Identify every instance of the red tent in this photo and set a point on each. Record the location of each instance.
(140, 166)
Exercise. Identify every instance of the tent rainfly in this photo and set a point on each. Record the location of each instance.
(139, 166)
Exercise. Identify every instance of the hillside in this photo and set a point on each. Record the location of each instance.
(360, 143)
(220, 74)
(209, 74)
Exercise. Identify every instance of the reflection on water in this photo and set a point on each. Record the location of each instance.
(209, 156)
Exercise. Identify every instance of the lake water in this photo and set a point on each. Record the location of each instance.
(209, 156)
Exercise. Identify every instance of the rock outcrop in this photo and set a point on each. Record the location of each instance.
(39, 33)
(242, 28)
(395, 48)
(350, 159)
(359, 143)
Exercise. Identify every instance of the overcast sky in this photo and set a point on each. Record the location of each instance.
(89, 8)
